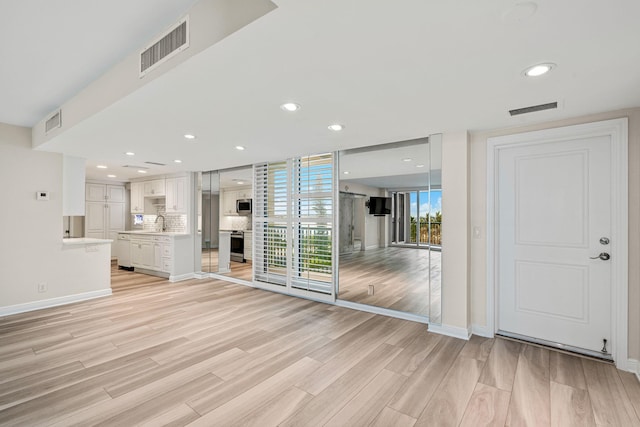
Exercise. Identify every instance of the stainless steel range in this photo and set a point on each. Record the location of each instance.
(237, 246)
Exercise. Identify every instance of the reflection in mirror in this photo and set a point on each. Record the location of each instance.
(435, 228)
(389, 233)
(210, 220)
(235, 223)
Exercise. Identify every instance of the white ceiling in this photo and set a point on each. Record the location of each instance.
(388, 71)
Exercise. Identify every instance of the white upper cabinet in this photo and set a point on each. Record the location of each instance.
(115, 193)
(137, 197)
(154, 188)
(176, 195)
(95, 192)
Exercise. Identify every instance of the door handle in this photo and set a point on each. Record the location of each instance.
(603, 256)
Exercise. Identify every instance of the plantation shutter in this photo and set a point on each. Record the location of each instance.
(312, 220)
(271, 212)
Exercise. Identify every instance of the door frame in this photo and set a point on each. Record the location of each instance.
(617, 130)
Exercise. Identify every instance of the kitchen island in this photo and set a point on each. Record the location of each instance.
(158, 253)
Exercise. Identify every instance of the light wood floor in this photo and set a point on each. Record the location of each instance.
(211, 353)
(400, 277)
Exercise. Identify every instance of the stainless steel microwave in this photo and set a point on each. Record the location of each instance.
(243, 206)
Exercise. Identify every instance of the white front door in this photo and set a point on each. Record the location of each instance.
(554, 213)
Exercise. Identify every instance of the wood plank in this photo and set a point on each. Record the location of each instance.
(500, 369)
(530, 403)
(415, 394)
(391, 417)
(276, 410)
(567, 370)
(368, 403)
(632, 387)
(609, 399)
(478, 348)
(570, 407)
(179, 416)
(325, 405)
(413, 354)
(237, 408)
(488, 406)
(447, 406)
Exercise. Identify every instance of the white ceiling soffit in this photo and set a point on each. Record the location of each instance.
(59, 47)
(389, 71)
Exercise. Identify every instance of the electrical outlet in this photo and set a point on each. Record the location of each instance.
(42, 287)
(371, 290)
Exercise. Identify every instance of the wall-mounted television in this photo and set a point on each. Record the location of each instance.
(379, 205)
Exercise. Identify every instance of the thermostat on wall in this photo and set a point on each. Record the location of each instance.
(42, 195)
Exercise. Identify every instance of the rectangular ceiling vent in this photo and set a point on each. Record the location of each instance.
(164, 47)
(533, 108)
(53, 122)
(156, 163)
(135, 167)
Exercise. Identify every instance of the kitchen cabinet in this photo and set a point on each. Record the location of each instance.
(154, 188)
(176, 195)
(104, 218)
(137, 198)
(142, 252)
(229, 198)
(168, 255)
(104, 192)
(228, 204)
(151, 252)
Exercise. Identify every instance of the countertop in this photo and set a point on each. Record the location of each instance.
(153, 233)
(85, 241)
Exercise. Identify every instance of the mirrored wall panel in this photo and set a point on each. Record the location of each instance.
(235, 228)
(390, 210)
(209, 220)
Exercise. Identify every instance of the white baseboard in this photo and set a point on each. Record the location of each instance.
(180, 277)
(450, 331)
(382, 311)
(633, 366)
(53, 302)
(482, 331)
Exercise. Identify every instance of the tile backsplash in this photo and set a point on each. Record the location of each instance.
(174, 223)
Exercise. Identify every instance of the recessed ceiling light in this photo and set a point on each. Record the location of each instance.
(290, 106)
(336, 127)
(189, 136)
(240, 182)
(101, 167)
(538, 70)
(142, 171)
(177, 161)
(111, 176)
(130, 153)
(407, 159)
(419, 166)
(240, 148)
(346, 172)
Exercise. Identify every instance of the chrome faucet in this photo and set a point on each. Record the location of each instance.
(164, 228)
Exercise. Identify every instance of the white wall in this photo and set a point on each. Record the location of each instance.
(455, 232)
(478, 171)
(31, 250)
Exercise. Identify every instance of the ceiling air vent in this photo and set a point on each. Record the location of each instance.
(156, 163)
(533, 108)
(53, 122)
(165, 46)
